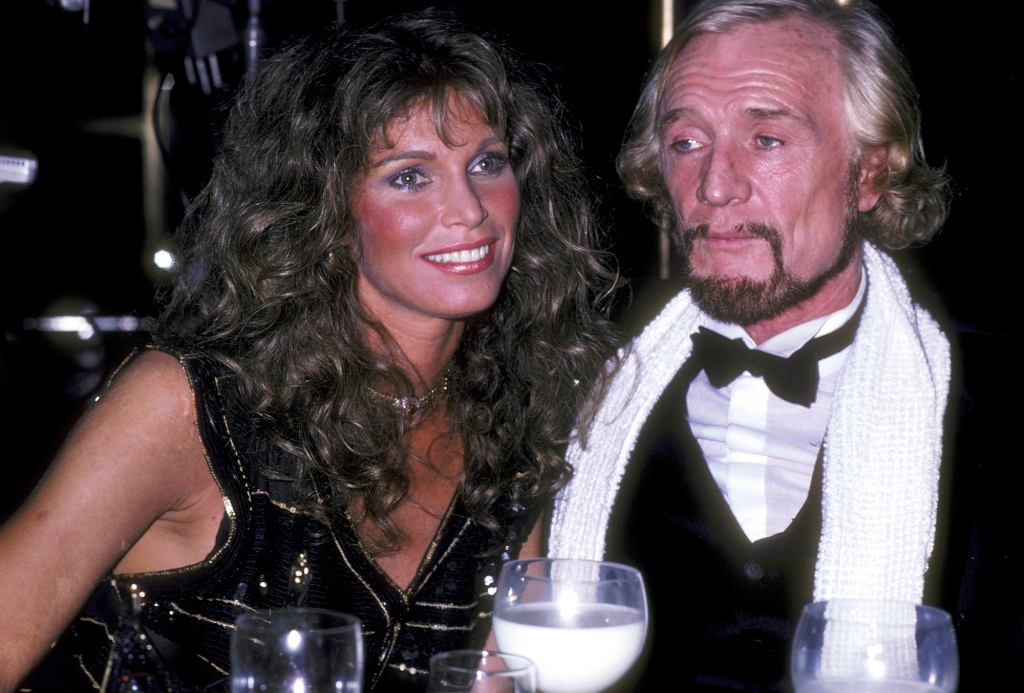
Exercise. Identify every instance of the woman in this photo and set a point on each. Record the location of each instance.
(380, 339)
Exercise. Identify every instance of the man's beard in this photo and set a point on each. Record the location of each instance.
(744, 301)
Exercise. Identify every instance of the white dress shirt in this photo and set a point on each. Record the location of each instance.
(761, 449)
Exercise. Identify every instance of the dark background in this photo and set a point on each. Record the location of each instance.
(77, 239)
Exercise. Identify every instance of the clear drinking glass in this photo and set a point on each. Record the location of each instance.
(297, 651)
(480, 671)
(583, 623)
(861, 646)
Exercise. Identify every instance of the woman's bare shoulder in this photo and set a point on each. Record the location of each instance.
(134, 458)
(154, 374)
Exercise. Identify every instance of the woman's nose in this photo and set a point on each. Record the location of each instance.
(463, 205)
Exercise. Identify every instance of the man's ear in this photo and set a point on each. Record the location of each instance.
(872, 162)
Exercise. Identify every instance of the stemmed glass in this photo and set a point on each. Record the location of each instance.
(583, 623)
(297, 651)
(480, 671)
(858, 646)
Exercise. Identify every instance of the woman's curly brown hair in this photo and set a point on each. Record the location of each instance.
(268, 285)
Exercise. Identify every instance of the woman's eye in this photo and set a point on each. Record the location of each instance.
(409, 178)
(490, 164)
(768, 142)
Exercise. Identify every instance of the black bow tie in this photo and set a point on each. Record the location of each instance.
(794, 379)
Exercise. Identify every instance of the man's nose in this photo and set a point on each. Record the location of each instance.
(463, 205)
(722, 180)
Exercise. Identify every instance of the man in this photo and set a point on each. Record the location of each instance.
(794, 455)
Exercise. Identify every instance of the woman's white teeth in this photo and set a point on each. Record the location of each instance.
(461, 256)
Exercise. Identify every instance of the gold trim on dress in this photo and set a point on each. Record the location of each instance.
(233, 602)
(101, 624)
(294, 510)
(219, 670)
(385, 654)
(410, 670)
(438, 626)
(92, 679)
(278, 504)
(380, 571)
(231, 440)
(434, 605)
(425, 579)
(200, 617)
(110, 665)
(418, 580)
(380, 603)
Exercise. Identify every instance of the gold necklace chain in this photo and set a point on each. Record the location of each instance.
(411, 405)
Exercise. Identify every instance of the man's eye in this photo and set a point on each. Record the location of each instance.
(686, 145)
(768, 142)
(490, 164)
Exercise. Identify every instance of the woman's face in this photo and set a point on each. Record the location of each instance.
(436, 223)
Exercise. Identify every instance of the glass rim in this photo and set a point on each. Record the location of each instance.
(817, 608)
(525, 664)
(262, 620)
(633, 572)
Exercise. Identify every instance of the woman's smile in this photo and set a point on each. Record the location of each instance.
(463, 261)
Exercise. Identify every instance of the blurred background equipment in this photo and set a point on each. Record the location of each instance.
(18, 169)
(111, 111)
(77, 6)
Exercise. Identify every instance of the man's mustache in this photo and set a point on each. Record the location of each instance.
(692, 233)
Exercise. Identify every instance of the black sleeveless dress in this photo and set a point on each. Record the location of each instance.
(176, 625)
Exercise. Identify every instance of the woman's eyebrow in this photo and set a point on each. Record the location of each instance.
(487, 142)
(398, 156)
(425, 155)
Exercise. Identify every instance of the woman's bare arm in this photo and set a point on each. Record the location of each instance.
(533, 547)
(130, 488)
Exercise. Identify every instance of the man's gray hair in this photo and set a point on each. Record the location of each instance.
(881, 106)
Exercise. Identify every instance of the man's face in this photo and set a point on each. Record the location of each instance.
(760, 166)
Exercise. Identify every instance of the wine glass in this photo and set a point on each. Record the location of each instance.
(480, 671)
(583, 623)
(297, 651)
(879, 646)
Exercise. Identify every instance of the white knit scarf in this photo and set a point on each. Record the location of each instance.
(881, 452)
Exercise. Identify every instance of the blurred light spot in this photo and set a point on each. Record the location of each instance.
(65, 323)
(294, 640)
(86, 327)
(568, 606)
(164, 259)
(18, 169)
(117, 323)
